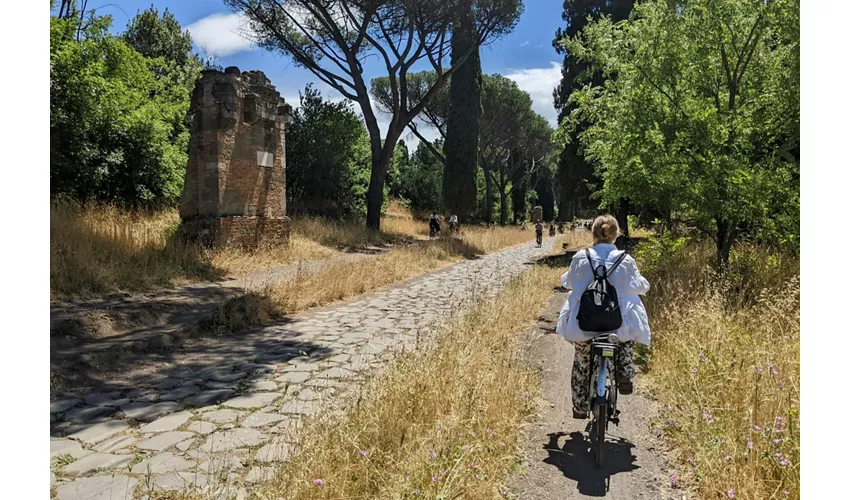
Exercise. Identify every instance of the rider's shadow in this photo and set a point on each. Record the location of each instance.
(576, 461)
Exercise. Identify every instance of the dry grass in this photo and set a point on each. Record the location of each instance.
(442, 421)
(726, 366)
(104, 249)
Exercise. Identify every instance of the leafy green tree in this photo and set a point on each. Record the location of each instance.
(331, 40)
(118, 131)
(326, 171)
(420, 180)
(575, 173)
(462, 124)
(154, 36)
(703, 116)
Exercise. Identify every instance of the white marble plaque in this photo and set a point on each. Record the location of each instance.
(265, 158)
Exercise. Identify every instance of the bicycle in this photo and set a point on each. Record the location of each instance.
(604, 387)
(540, 239)
(435, 231)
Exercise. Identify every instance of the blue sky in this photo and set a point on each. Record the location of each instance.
(526, 55)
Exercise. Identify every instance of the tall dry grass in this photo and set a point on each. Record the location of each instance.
(725, 365)
(442, 421)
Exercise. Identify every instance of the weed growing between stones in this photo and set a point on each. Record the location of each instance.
(441, 421)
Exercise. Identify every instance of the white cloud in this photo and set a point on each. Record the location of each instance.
(540, 83)
(523, 44)
(221, 34)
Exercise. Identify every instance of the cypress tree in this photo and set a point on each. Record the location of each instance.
(462, 124)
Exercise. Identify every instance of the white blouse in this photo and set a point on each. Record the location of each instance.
(626, 279)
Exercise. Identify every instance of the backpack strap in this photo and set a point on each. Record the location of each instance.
(606, 272)
(617, 262)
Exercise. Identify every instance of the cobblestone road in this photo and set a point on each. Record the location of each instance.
(220, 430)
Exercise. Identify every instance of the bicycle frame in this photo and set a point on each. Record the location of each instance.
(604, 350)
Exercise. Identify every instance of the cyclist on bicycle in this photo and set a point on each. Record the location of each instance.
(629, 283)
(453, 224)
(434, 223)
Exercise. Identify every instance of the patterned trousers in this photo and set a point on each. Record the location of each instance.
(624, 366)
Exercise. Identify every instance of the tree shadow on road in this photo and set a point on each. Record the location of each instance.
(576, 462)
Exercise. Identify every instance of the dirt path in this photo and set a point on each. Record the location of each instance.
(558, 464)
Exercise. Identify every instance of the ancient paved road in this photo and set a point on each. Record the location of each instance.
(221, 429)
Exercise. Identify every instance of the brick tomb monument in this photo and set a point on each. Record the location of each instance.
(235, 187)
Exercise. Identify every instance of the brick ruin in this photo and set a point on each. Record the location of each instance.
(235, 186)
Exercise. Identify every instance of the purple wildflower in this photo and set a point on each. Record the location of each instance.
(780, 423)
(706, 415)
(501, 443)
(749, 444)
(477, 476)
(690, 459)
(781, 384)
(365, 453)
(703, 357)
(693, 438)
(728, 457)
(731, 493)
(436, 479)
(439, 427)
(407, 478)
(474, 465)
(694, 370)
(778, 455)
(786, 492)
(758, 370)
(416, 491)
(773, 371)
(490, 432)
(777, 441)
(433, 454)
(318, 482)
(756, 427)
(784, 462)
(465, 447)
(674, 478)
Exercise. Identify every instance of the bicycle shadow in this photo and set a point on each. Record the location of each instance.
(575, 460)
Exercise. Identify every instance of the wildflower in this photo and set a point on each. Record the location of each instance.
(439, 427)
(773, 371)
(780, 423)
(407, 478)
(490, 432)
(777, 441)
(781, 384)
(474, 465)
(365, 453)
(786, 492)
(758, 370)
(405, 462)
(706, 415)
(465, 447)
(784, 462)
(501, 443)
(756, 427)
(436, 479)
(318, 482)
(731, 493)
(690, 459)
(674, 478)
(696, 469)
(710, 421)
(778, 455)
(416, 491)
(693, 438)
(728, 457)
(433, 455)
(703, 357)
(749, 444)
(669, 422)
(694, 370)
(477, 476)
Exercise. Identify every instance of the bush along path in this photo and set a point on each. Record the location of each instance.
(215, 416)
(558, 463)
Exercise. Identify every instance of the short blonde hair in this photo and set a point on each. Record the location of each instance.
(605, 229)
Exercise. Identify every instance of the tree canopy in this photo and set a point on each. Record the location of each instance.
(331, 39)
(702, 119)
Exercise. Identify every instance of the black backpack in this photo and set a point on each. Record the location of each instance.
(599, 308)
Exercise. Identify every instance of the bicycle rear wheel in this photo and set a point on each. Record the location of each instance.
(601, 423)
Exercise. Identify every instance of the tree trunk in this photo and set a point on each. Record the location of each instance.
(380, 164)
(724, 240)
(488, 183)
(622, 216)
(503, 207)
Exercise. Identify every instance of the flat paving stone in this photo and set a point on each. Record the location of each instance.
(60, 406)
(146, 412)
(188, 481)
(96, 461)
(224, 376)
(276, 451)
(98, 432)
(337, 373)
(116, 443)
(165, 440)
(223, 416)
(259, 475)
(232, 439)
(88, 413)
(166, 423)
(208, 397)
(162, 463)
(298, 407)
(260, 419)
(202, 428)
(309, 395)
(216, 464)
(105, 398)
(294, 377)
(266, 385)
(181, 392)
(253, 400)
(117, 487)
(67, 447)
(185, 445)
